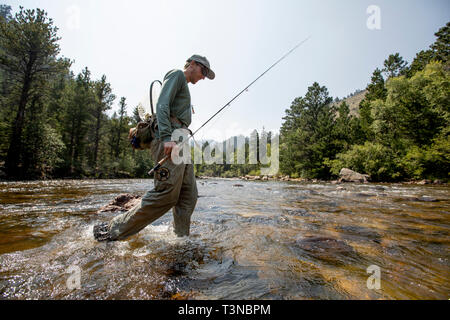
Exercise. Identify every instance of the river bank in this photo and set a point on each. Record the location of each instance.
(248, 178)
(288, 178)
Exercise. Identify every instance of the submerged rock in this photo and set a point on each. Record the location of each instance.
(362, 233)
(416, 199)
(327, 249)
(365, 194)
(122, 202)
(428, 199)
(298, 212)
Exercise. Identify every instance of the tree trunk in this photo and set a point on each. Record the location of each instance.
(97, 135)
(28, 159)
(118, 137)
(71, 147)
(15, 145)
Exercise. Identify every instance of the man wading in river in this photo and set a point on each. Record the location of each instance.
(177, 189)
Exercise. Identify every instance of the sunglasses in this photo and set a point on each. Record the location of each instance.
(204, 69)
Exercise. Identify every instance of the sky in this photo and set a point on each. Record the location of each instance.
(135, 42)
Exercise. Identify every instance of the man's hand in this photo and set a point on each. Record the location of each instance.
(168, 146)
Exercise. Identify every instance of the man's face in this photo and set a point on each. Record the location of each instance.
(199, 72)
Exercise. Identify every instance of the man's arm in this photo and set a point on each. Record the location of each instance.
(169, 90)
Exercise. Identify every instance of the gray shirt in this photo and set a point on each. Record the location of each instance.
(174, 101)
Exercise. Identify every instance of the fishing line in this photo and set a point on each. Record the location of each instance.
(160, 163)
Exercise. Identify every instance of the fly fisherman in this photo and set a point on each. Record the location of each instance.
(175, 186)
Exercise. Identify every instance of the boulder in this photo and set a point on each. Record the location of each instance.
(347, 175)
(425, 181)
(252, 178)
(122, 202)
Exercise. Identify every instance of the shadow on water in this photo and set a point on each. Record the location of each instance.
(279, 241)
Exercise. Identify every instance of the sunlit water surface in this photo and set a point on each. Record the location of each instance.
(259, 240)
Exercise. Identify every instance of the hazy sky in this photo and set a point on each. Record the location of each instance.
(134, 42)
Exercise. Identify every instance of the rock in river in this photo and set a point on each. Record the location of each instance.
(347, 175)
(327, 249)
(122, 202)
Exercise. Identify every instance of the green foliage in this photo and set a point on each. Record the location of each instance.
(5, 12)
(28, 57)
(54, 124)
(347, 128)
(47, 152)
(420, 61)
(415, 109)
(308, 135)
(410, 130)
(371, 158)
(402, 131)
(441, 47)
(375, 90)
(102, 100)
(439, 51)
(394, 66)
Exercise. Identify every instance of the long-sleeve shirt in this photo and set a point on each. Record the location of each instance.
(174, 101)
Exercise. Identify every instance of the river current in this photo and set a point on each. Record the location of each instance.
(249, 240)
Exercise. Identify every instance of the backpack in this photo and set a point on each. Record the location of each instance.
(144, 133)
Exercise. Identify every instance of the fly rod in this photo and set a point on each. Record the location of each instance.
(161, 162)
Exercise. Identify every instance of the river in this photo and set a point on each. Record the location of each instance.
(249, 240)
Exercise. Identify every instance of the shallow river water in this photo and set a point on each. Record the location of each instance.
(249, 240)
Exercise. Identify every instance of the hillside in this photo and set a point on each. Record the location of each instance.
(353, 101)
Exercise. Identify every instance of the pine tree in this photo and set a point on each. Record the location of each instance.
(441, 47)
(307, 135)
(120, 128)
(104, 99)
(79, 114)
(394, 66)
(29, 52)
(5, 12)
